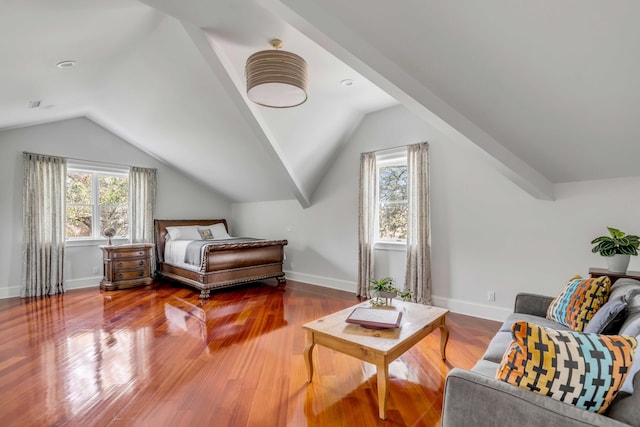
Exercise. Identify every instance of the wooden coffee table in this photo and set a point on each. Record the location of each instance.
(379, 347)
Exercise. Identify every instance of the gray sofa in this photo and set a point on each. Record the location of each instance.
(476, 398)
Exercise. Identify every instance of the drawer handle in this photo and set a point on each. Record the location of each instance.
(120, 276)
(141, 274)
(141, 262)
(120, 264)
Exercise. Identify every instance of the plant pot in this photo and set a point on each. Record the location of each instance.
(618, 263)
(383, 297)
(387, 294)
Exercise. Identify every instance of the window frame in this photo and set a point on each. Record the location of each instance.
(96, 170)
(396, 157)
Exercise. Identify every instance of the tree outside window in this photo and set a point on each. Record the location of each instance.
(95, 201)
(392, 202)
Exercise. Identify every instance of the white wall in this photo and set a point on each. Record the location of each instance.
(177, 195)
(487, 234)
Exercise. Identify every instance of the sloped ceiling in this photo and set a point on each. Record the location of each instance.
(555, 83)
(546, 90)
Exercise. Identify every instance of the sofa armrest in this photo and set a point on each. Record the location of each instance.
(533, 304)
(472, 399)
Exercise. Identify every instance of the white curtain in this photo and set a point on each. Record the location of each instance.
(366, 221)
(43, 211)
(418, 274)
(142, 201)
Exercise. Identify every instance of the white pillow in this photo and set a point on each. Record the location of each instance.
(218, 230)
(187, 232)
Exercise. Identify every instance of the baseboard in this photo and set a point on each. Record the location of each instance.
(327, 282)
(9, 292)
(83, 282)
(484, 311)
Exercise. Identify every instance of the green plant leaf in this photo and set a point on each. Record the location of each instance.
(623, 242)
(600, 239)
(615, 233)
(606, 244)
(608, 252)
(628, 250)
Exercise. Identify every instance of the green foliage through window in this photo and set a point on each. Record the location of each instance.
(88, 213)
(392, 202)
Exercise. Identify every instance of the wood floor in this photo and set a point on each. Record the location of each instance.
(159, 356)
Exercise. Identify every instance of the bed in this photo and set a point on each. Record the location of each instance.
(206, 261)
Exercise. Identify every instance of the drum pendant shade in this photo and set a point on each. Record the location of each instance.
(276, 78)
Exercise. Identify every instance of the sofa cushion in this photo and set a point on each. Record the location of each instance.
(579, 301)
(540, 321)
(486, 368)
(626, 287)
(497, 346)
(626, 408)
(585, 370)
(609, 318)
(631, 325)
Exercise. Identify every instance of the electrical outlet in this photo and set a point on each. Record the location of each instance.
(491, 296)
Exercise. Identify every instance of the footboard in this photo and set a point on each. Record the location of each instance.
(240, 255)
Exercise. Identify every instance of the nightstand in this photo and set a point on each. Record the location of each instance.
(599, 272)
(126, 266)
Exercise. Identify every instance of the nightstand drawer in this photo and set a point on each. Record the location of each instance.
(131, 263)
(131, 274)
(129, 253)
(126, 266)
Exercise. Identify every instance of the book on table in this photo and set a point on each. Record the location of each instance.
(375, 318)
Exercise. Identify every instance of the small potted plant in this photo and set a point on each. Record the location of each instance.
(617, 249)
(384, 291)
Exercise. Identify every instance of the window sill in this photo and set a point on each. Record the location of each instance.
(391, 246)
(94, 242)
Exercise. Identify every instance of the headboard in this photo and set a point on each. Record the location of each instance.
(161, 230)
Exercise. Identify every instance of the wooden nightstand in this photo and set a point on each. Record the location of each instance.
(126, 266)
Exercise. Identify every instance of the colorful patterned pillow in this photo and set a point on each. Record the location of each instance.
(584, 370)
(579, 301)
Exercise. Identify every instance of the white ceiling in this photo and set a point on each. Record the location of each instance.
(548, 89)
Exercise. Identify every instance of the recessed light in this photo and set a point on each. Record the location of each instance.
(66, 64)
(347, 82)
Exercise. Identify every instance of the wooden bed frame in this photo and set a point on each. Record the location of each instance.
(225, 264)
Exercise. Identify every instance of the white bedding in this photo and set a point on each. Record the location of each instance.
(174, 251)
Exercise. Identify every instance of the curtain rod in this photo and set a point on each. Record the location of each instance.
(85, 160)
(394, 148)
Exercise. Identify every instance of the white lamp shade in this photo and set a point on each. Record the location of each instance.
(276, 78)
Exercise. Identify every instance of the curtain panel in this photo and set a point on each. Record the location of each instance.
(418, 272)
(142, 201)
(366, 222)
(43, 211)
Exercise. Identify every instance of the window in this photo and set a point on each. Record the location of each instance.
(97, 198)
(392, 204)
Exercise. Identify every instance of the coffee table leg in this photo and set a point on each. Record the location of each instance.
(383, 382)
(308, 356)
(444, 337)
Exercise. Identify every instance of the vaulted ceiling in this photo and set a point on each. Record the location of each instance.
(548, 91)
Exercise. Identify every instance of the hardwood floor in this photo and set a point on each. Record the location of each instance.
(160, 356)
